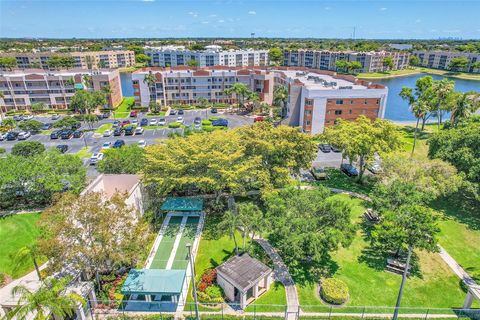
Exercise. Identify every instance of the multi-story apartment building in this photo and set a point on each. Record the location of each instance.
(441, 59)
(326, 60)
(83, 60)
(185, 85)
(213, 56)
(316, 98)
(23, 88)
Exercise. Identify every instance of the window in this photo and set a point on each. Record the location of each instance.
(351, 101)
(308, 112)
(338, 102)
(307, 123)
(309, 102)
(338, 112)
(366, 101)
(378, 101)
(350, 111)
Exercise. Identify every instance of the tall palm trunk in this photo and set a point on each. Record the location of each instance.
(232, 234)
(37, 269)
(415, 136)
(402, 285)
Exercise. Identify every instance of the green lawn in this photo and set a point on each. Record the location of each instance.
(84, 153)
(103, 127)
(16, 232)
(274, 300)
(362, 270)
(388, 74)
(153, 127)
(123, 110)
(339, 180)
(160, 114)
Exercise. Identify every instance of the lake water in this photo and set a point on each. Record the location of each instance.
(397, 108)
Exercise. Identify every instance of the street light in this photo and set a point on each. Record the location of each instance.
(194, 289)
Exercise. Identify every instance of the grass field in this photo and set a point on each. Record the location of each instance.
(340, 180)
(16, 232)
(103, 127)
(274, 300)
(84, 153)
(123, 110)
(362, 270)
(417, 70)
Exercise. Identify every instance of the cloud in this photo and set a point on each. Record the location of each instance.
(418, 20)
(193, 14)
(251, 12)
(221, 21)
(205, 22)
(327, 8)
(383, 9)
(212, 15)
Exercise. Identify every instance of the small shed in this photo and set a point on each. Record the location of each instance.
(243, 279)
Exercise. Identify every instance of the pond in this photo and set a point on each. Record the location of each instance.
(127, 87)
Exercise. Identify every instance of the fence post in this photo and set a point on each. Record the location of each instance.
(426, 314)
(363, 312)
(254, 312)
(330, 313)
(223, 307)
(161, 316)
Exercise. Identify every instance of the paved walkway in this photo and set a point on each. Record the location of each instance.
(282, 274)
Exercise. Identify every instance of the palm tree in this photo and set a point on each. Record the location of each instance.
(49, 299)
(240, 90)
(417, 106)
(441, 89)
(107, 91)
(230, 223)
(280, 98)
(2, 116)
(26, 253)
(464, 106)
(149, 80)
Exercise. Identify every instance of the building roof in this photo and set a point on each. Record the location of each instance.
(319, 81)
(112, 183)
(243, 271)
(154, 281)
(182, 204)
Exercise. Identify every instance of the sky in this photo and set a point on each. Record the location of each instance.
(372, 19)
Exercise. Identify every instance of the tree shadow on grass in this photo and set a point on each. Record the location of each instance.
(410, 131)
(459, 208)
(310, 273)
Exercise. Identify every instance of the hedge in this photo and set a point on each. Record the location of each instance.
(2, 150)
(174, 125)
(334, 291)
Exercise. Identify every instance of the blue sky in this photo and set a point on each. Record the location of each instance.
(422, 19)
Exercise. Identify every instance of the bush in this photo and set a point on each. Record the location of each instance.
(206, 122)
(213, 119)
(209, 277)
(28, 148)
(334, 291)
(2, 150)
(208, 128)
(213, 294)
(174, 125)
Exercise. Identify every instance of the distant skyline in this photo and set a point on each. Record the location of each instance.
(372, 19)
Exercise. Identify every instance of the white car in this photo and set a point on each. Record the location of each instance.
(162, 122)
(139, 130)
(27, 117)
(95, 158)
(106, 145)
(24, 135)
(55, 116)
(180, 119)
(153, 122)
(107, 133)
(142, 143)
(135, 122)
(3, 136)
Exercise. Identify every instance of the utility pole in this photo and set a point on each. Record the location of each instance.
(354, 32)
(194, 289)
(404, 278)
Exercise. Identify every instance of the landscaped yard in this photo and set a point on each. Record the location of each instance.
(103, 127)
(17, 231)
(340, 180)
(274, 300)
(84, 153)
(124, 108)
(369, 285)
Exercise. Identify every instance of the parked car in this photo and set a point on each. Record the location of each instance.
(153, 122)
(259, 119)
(47, 126)
(181, 112)
(374, 168)
(220, 123)
(116, 123)
(118, 144)
(3, 136)
(105, 115)
(76, 126)
(78, 134)
(319, 173)
(173, 112)
(335, 149)
(135, 122)
(23, 135)
(107, 133)
(62, 147)
(55, 116)
(55, 134)
(12, 135)
(133, 114)
(197, 120)
(118, 132)
(162, 122)
(139, 130)
(18, 118)
(144, 122)
(66, 134)
(129, 131)
(27, 117)
(349, 169)
(213, 110)
(180, 119)
(142, 143)
(198, 126)
(325, 148)
(106, 145)
(125, 123)
(95, 158)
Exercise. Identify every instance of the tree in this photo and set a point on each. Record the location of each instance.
(230, 223)
(354, 66)
(28, 148)
(192, 63)
(58, 62)
(28, 253)
(419, 99)
(49, 299)
(136, 49)
(2, 115)
(65, 123)
(31, 126)
(476, 65)
(8, 63)
(418, 107)
(342, 65)
(202, 101)
(240, 90)
(85, 102)
(142, 58)
(154, 107)
(464, 105)
(441, 97)
(388, 63)
(197, 47)
(251, 221)
(361, 139)
(150, 81)
(275, 55)
(280, 99)
(324, 223)
(104, 231)
(129, 159)
(7, 125)
(458, 63)
(39, 106)
(414, 61)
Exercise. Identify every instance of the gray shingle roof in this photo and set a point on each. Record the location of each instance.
(243, 271)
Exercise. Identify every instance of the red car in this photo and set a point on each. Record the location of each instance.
(133, 114)
(125, 122)
(258, 119)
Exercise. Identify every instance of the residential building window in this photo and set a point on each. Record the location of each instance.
(307, 123)
(378, 101)
(308, 112)
(338, 112)
(351, 101)
(309, 102)
(350, 111)
(366, 101)
(339, 101)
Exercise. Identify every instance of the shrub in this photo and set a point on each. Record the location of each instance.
(213, 294)
(206, 122)
(28, 148)
(334, 291)
(174, 125)
(208, 128)
(209, 277)
(213, 119)
(2, 150)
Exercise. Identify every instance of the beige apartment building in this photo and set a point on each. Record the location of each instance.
(22, 88)
(184, 85)
(442, 59)
(83, 60)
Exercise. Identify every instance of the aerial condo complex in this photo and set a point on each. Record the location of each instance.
(239, 160)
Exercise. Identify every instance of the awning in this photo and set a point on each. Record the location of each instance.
(182, 204)
(154, 281)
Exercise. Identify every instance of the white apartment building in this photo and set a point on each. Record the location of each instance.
(441, 59)
(174, 56)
